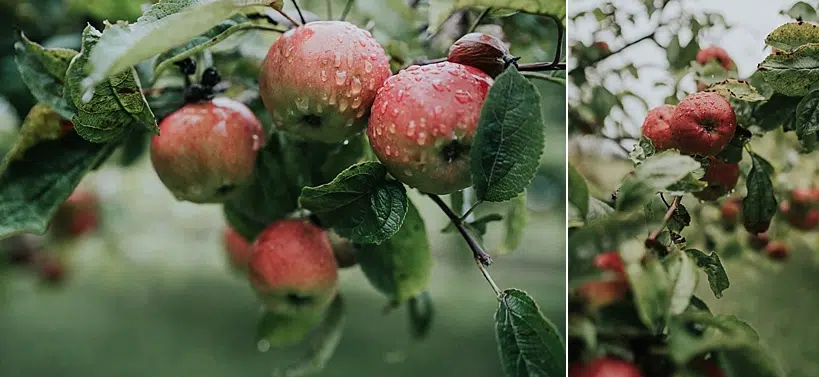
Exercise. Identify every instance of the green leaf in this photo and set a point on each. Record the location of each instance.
(421, 312)
(116, 104)
(802, 11)
(440, 10)
(710, 73)
(759, 206)
(696, 332)
(667, 168)
(578, 191)
(218, 33)
(678, 56)
(269, 196)
(360, 203)
(748, 361)
(740, 90)
(280, 330)
(43, 71)
(650, 285)
(322, 345)
(400, 266)
(712, 266)
(42, 123)
(683, 277)
(795, 73)
(167, 24)
(679, 220)
(509, 141)
(642, 150)
(807, 116)
(514, 223)
(33, 186)
(528, 343)
(793, 35)
(480, 224)
(135, 146)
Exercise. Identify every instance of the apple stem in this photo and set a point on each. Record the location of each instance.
(671, 209)
(479, 19)
(298, 10)
(346, 11)
(285, 15)
(477, 250)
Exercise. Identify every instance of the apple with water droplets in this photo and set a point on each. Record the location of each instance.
(319, 80)
(423, 124)
(292, 268)
(656, 127)
(205, 150)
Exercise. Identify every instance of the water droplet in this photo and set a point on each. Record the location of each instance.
(324, 61)
(373, 56)
(453, 71)
(368, 67)
(392, 128)
(371, 86)
(438, 85)
(345, 142)
(395, 111)
(288, 52)
(350, 60)
(441, 64)
(412, 68)
(422, 138)
(257, 143)
(408, 172)
(337, 59)
(462, 96)
(319, 108)
(340, 40)
(400, 95)
(302, 103)
(361, 112)
(405, 158)
(411, 128)
(349, 123)
(379, 131)
(332, 100)
(388, 151)
(323, 75)
(425, 68)
(263, 345)
(362, 43)
(383, 107)
(355, 87)
(341, 77)
(356, 103)
(437, 111)
(342, 104)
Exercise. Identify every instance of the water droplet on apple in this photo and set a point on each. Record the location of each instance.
(368, 67)
(422, 138)
(392, 128)
(342, 104)
(356, 103)
(355, 87)
(302, 103)
(341, 77)
(323, 75)
(408, 172)
(411, 128)
(337, 59)
(462, 96)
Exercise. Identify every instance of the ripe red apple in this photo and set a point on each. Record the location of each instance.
(721, 178)
(610, 367)
(206, 150)
(606, 292)
(50, 270)
(319, 80)
(656, 127)
(730, 211)
(703, 123)
(293, 269)
(237, 247)
(423, 125)
(78, 215)
(603, 47)
(800, 215)
(777, 250)
(480, 50)
(708, 54)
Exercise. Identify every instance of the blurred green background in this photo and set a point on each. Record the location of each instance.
(151, 293)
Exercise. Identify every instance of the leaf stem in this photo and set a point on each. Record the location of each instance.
(477, 250)
(285, 15)
(668, 214)
(301, 16)
(479, 19)
(488, 278)
(347, 8)
(470, 210)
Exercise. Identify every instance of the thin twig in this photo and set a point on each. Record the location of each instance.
(477, 250)
(347, 9)
(329, 9)
(301, 16)
(266, 27)
(488, 278)
(559, 49)
(543, 66)
(470, 210)
(668, 215)
(543, 76)
(632, 43)
(285, 15)
(479, 19)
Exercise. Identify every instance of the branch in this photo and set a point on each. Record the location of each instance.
(632, 43)
(346, 10)
(670, 213)
(477, 250)
(479, 19)
(298, 10)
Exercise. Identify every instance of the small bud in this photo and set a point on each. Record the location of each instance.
(481, 51)
(210, 78)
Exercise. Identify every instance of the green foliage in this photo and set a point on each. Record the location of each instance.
(509, 140)
(400, 266)
(759, 206)
(421, 313)
(440, 10)
(795, 73)
(529, 344)
(43, 71)
(712, 266)
(115, 105)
